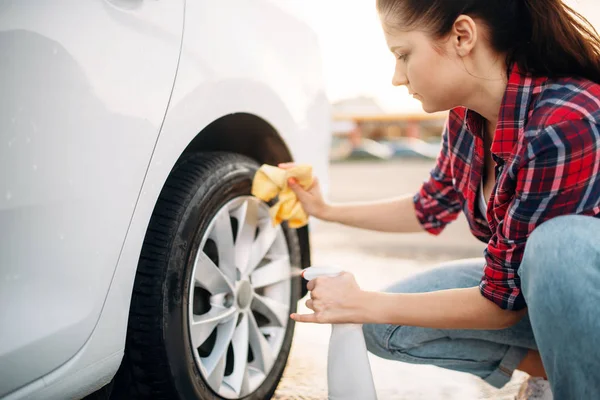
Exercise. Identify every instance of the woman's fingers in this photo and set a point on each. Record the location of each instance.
(312, 284)
(304, 317)
(314, 184)
(309, 304)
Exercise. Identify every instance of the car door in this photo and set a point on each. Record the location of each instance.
(85, 87)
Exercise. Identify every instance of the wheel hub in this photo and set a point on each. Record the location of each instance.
(244, 294)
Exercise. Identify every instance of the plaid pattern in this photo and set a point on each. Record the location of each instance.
(547, 153)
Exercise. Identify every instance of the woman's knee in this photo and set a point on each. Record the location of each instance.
(376, 339)
(423, 346)
(543, 242)
(397, 342)
(390, 341)
(555, 245)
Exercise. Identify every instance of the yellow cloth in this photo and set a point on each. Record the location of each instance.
(271, 181)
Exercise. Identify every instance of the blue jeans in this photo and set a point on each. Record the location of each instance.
(560, 279)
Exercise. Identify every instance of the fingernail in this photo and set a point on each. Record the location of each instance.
(291, 181)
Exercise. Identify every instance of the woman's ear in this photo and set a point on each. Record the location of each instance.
(464, 35)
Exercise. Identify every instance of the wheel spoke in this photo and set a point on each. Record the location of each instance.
(215, 363)
(255, 376)
(222, 234)
(276, 271)
(245, 389)
(238, 380)
(211, 277)
(275, 311)
(263, 243)
(215, 377)
(263, 354)
(247, 215)
(203, 325)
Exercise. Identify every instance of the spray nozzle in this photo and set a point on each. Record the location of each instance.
(314, 272)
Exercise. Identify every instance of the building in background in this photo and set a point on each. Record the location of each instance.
(362, 129)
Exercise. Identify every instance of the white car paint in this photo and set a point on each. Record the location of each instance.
(86, 146)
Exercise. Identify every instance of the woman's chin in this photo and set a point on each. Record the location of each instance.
(428, 108)
(431, 108)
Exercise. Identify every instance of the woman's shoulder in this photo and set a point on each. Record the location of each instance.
(565, 99)
(565, 115)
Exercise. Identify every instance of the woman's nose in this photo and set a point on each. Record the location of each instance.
(399, 79)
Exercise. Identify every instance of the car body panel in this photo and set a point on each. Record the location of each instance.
(81, 113)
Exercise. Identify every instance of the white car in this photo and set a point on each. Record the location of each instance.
(133, 259)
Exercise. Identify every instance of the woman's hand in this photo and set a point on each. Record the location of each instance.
(311, 199)
(334, 300)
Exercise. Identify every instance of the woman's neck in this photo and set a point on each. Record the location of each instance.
(486, 101)
(488, 83)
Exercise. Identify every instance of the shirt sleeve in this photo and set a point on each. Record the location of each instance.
(559, 165)
(438, 203)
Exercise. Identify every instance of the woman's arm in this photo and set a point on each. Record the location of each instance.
(393, 215)
(339, 299)
(444, 309)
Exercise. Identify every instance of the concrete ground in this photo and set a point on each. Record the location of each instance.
(377, 260)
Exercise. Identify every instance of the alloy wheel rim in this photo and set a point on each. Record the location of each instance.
(239, 298)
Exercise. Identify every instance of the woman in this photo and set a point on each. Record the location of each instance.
(521, 158)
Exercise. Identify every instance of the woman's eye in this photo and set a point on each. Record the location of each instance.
(402, 57)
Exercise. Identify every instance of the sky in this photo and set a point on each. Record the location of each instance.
(355, 58)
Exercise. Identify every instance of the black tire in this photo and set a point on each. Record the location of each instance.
(159, 362)
(103, 393)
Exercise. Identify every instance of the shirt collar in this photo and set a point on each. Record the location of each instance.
(514, 112)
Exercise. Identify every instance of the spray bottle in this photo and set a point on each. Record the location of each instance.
(349, 374)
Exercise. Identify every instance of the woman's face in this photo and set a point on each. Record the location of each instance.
(430, 69)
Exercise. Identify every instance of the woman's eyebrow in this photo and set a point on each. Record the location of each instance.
(394, 48)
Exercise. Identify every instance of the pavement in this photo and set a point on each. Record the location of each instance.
(377, 260)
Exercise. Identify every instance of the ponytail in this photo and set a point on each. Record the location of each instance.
(561, 42)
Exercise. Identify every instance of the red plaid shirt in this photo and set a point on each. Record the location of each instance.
(547, 153)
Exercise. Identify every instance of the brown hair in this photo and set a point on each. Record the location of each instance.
(543, 37)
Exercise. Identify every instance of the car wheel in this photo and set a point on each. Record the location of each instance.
(209, 315)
